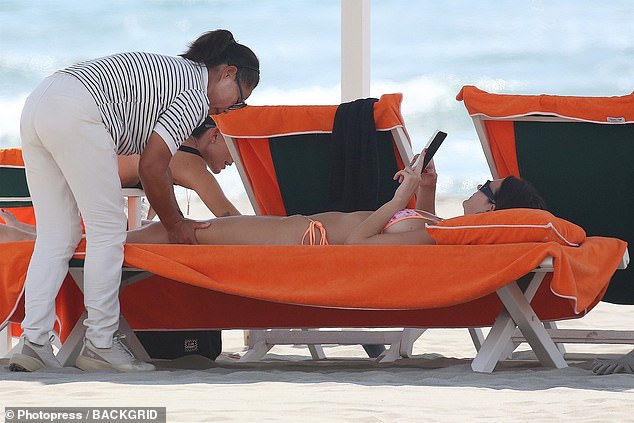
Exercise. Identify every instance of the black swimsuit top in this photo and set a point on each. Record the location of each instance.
(191, 150)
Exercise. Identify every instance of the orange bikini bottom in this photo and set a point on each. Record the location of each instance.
(311, 233)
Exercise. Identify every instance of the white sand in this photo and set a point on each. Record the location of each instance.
(436, 385)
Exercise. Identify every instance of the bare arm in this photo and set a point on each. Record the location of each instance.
(128, 170)
(190, 171)
(426, 192)
(370, 230)
(157, 182)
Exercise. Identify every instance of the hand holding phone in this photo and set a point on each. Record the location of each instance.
(432, 146)
(428, 152)
(414, 161)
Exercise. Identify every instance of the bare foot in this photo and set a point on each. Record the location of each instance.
(624, 364)
(8, 218)
(11, 234)
(12, 222)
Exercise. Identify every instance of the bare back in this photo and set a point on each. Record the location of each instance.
(277, 230)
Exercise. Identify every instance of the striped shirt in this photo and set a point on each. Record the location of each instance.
(138, 93)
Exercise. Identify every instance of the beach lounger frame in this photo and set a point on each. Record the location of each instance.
(259, 342)
(501, 119)
(515, 306)
(496, 345)
(516, 315)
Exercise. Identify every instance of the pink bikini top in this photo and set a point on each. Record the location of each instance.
(412, 214)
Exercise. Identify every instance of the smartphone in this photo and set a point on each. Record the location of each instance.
(432, 147)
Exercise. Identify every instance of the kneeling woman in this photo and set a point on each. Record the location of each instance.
(392, 223)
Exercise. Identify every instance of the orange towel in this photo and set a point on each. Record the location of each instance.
(591, 109)
(382, 277)
(253, 122)
(255, 125)
(433, 286)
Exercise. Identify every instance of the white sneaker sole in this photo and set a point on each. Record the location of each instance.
(24, 363)
(86, 363)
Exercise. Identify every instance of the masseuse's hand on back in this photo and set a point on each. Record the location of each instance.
(184, 231)
(158, 185)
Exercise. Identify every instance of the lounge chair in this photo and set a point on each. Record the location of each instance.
(238, 287)
(284, 155)
(577, 152)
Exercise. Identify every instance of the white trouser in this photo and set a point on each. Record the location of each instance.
(71, 166)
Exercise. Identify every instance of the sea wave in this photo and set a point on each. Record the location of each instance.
(428, 104)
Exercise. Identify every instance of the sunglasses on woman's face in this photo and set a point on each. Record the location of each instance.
(486, 190)
(241, 103)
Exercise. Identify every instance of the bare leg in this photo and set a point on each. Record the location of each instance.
(11, 221)
(14, 230)
(152, 233)
(624, 364)
(11, 234)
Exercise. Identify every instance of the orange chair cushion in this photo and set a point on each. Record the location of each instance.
(507, 227)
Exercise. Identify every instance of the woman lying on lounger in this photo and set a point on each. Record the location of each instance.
(392, 223)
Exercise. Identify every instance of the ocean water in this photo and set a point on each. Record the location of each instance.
(425, 49)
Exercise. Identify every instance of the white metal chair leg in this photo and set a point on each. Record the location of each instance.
(477, 336)
(73, 344)
(316, 350)
(391, 354)
(560, 346)
(518, 313)
(5, 341)
(532, 328)
(410, 335)
(67, 354)
(134, 196)
(132, 341)
(257, 346)
(495, 344)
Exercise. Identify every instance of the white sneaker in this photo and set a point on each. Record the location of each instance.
(117, 357)
(29, 357)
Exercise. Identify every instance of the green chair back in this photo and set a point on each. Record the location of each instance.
(14, 191)
(585, 173)
(302, 167)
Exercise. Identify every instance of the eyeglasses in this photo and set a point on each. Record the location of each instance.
(241, 103)
(486, 190)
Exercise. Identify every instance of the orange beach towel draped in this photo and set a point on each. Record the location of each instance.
(399, 278)
(617, 109)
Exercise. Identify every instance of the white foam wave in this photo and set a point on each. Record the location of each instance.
(41, 64)
(10, 110)
(428, 104)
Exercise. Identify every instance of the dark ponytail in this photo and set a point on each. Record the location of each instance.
(218, 47)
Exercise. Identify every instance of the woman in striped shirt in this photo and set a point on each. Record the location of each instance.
(72, 128)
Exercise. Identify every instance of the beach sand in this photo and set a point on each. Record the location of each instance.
(435, 385)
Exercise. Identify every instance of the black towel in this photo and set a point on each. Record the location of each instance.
(354, 175)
